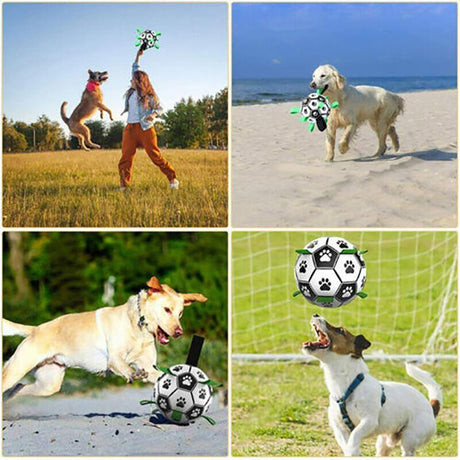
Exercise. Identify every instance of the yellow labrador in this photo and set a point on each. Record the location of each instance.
(118, 339)
(357, 104)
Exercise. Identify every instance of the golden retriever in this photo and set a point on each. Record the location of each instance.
(357, 104)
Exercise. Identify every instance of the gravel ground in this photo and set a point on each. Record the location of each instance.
(109, 422)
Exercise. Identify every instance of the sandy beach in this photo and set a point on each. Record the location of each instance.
(280, 179)
(108, 423)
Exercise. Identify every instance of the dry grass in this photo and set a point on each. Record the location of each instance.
(80, 189)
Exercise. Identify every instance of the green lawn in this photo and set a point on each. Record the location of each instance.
(281, 410)
(409, 284)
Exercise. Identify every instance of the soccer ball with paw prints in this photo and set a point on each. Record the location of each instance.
(330, 272)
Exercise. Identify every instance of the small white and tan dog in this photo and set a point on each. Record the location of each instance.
(117, 339)
(357, 104)
(361, 406)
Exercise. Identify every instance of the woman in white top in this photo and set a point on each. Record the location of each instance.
(142, 105)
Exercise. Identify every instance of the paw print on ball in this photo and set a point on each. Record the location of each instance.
(163, 403)
(180, 402)
(202, 394)
(167, 384)
(347, 292)
(195, 412)
(325, 257)
(306, 291)
(349, 267)
(325, 284)
(187, 381)
(312, 244)
(342, 244)
(303, 266)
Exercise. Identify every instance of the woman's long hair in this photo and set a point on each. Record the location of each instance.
(141, 83)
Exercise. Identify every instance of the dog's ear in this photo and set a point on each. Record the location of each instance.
(339, 79)
(190, 298)
(90, 71)
(154, 285)
(361, 343)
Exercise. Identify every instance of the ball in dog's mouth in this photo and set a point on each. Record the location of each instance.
(162, 336)
(322, 342)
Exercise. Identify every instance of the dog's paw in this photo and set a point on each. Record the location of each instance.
(140, 374)
(343, 147)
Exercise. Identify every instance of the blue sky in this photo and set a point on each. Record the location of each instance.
(362, 40)
(49, 47)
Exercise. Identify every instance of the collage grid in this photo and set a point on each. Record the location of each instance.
(202, 234)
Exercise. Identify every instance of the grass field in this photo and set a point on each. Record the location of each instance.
(411, 286)
(281, 410)
(80, 189)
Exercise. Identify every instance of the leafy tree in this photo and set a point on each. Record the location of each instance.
(220, 119)
(13, 141)
(98, 131)
(27, 130)
(161, 133)
(185, 125)
(66, 278)
(207, 107)
(48, 134)
(114, 135)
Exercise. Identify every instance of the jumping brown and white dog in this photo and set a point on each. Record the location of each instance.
(91, 100)
(361, 406)
(118, 339)
(357, 104)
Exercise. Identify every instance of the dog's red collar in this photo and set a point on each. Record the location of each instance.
(92, 85)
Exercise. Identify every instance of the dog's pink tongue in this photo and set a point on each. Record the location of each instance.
(164, 340)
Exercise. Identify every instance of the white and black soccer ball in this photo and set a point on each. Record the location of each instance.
(182, 394)
(330, 272)
(314, 106)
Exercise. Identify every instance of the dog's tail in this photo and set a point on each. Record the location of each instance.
(63, 114)
(434, 390)
(9, 328)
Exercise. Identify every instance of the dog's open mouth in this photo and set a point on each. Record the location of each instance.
(324, 89)
(322, 342)
(162, 336)
(104, 77)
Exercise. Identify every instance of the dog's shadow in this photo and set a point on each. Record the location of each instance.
(157, 418)
(426, 155)
(127, 415)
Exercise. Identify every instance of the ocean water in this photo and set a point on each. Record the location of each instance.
(266, 91)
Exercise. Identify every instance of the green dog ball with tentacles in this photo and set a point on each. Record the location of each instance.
(147, 39)
(330, 272)
(184, 392)
(315, 109)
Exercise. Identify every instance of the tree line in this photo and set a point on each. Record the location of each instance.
(191, 124)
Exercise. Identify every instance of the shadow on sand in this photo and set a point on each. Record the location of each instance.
(426, 155)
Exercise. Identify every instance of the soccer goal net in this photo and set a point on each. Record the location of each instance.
(410, 311)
